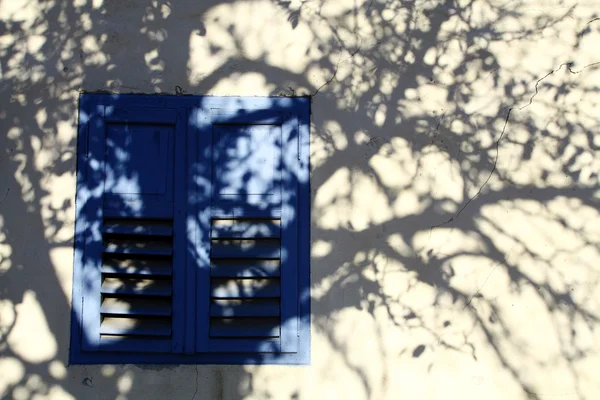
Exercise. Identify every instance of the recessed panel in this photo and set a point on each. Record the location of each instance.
(137, 159)
(246, 161)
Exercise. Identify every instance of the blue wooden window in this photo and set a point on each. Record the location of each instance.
(192, 230)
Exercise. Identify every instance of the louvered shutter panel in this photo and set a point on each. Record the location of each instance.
(132, 222)
(247, 283)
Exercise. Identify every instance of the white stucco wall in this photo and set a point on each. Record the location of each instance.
(455, 198)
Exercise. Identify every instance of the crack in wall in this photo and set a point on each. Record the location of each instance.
(485, 182)
(196, 390)
(5, 195)
(569, 65)
(337, 66)
(487, 278)
(538, 82)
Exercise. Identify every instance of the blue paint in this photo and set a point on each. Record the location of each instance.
(156, 175)
(140, 156)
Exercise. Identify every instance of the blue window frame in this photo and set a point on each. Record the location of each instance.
(192, 230)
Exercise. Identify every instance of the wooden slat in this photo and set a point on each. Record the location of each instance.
(133, 267)
(245, 248)
(136, 326)
(245, 117)
(146, 115)
(245, 268)
(133, 307)
(138, 227)
(244, 288)
(156, 248)
(136, 287)
(244, 327)
(245, 345)
(239, 229)
(134, 344)
(245, 308)
(232, 209)
(135, 207)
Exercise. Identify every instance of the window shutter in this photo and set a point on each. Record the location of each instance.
(190, 216)
(247, 234)
(131, 224)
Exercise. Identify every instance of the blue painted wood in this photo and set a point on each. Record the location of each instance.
(137, 345)
(149, 203)
(304, 218)
(250, 104)
(240, 229)
(91, 216)
(240, 358)
(244, 268)
(201, 188)
(243, 308)
(245, 249)
(285, 104)
(138, 227)
(139, 178)
(131, 161)
(136, 209)
(137, 312)
(235, 209)
(241, 116)
(137, 267)
(255, 168)
(140, 159)
(180, 240)
(289, 239)
(138, 247)
(136, 326)
(81, 226)
(161, 288)
(146, 115)
(244, 327)
(263, 345)
(132, 306)
(244, 288)
(191, 235)
(246, 161)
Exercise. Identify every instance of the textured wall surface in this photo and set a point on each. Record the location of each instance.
(455, 187)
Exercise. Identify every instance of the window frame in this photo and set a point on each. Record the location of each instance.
(298, 109)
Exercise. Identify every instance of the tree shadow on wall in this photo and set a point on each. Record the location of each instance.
(399, 90)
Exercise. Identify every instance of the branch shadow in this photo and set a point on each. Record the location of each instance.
(433, 204)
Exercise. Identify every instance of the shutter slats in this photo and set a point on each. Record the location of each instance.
(137, 286)
(132, 267)
(136, 307)
(143, 287)
(240, 229)
(244, 288)
(264, 248)
(133, 227)
(149, 210)
(245, 308)
(136, 327)
(245, 268)
(149, 248)
(244, 327)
